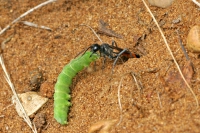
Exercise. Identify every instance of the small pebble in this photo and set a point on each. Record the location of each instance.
(36, 78)
(40, 121)
(193, 39)
(161, 3)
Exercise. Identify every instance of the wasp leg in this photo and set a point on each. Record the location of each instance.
(114, 43)
(118, 55)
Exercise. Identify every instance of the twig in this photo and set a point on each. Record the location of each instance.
(3, 44)
(160, 103)
(8, 106)
(1, 116)
(7, 77)
(45, 128)
(35, 25)
(182, 47)
(139, 88)
(197, 3)
(118, 93)
(92, 31)
(136, 82)
(26, 13)
(168, 48)
(119, 101)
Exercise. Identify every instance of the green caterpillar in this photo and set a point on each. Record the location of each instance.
(64, 80)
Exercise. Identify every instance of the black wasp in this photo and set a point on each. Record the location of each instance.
(111, 51)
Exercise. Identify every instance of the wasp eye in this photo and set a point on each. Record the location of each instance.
(95, 49)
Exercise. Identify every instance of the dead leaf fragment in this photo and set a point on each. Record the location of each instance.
(103, 126)
(104, 30)
(175, 78)
(174, 81)
(31, 102)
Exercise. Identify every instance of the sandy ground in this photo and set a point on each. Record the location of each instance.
(157, 106)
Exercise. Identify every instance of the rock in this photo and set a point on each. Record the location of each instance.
(36, 79)
(40, 122)
(103, 126)
(193, 39)
(161, 3)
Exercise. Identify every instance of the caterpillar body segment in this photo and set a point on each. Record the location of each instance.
(62, 91)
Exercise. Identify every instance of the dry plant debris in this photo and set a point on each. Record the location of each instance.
(92, 31)
(7, 77)
(174, 84)
(53, 53)
(175, 78)
(103, 126)
(169, 50)
(196, 2)
(15, 96)
(26, 13)
(6, 41)
(104, 30)
(35, 25)
(31, 102)
(119, 89)
(40, 121)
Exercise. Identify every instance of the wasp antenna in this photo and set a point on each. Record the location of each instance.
(83, 51)
(91, 54)
(93, 32)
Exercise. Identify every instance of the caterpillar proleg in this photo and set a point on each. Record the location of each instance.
(62, 91)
